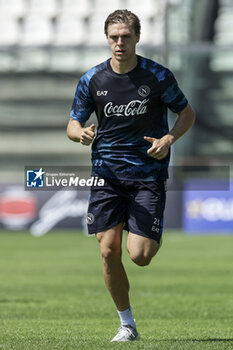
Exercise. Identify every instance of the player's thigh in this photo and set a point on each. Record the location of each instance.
(110, 240)
(140, 247)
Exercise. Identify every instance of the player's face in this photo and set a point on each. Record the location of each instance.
(122, 41)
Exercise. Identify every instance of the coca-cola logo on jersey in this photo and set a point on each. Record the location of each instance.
(135, 107)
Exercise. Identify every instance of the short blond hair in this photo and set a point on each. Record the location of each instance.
(123, 16)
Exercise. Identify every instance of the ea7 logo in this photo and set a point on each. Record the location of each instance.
(101, 93)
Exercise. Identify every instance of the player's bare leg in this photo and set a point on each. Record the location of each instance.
(117, 282)
(141, 249)
(114, 273)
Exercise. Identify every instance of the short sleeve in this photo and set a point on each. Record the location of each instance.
(83, 104)
(171, 94)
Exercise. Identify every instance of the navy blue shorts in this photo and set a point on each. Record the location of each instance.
(140, 205)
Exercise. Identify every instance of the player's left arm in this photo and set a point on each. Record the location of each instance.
(160, 147)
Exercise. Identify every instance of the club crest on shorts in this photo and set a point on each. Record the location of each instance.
(144, 90)
(90, 218)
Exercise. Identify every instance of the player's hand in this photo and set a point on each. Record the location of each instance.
(159, 148)
(87, 135)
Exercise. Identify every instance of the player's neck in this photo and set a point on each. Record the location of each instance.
(122, 67)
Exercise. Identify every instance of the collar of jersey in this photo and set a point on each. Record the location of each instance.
(122, 74)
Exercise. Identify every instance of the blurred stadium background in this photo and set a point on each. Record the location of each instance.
(46, 45)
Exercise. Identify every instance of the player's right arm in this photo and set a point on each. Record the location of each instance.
(77, 133)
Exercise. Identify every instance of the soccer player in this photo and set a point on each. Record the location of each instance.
(130, 95)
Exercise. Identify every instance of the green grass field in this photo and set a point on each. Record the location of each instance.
(52, 294)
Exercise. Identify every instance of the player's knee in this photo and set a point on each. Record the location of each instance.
(110, 253)
(141, 258)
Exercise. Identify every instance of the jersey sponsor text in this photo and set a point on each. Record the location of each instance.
(135, 107)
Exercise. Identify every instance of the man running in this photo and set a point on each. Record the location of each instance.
(130, 95)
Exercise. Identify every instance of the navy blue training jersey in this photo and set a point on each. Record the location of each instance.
(128, 107)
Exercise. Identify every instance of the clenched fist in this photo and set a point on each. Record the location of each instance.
(87, 135)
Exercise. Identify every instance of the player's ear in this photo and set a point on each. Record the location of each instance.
(138, 38)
